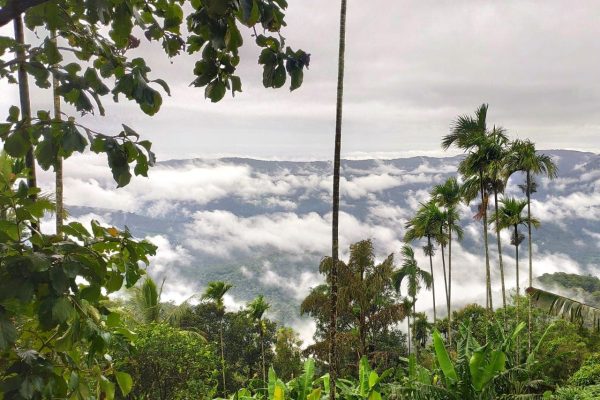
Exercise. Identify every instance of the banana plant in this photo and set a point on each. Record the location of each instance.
(368, 386)
(484, 363)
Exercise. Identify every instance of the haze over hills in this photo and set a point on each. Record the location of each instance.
(264, 225)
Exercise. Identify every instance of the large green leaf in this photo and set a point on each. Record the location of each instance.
(305, 380)
(125, 382)
(484, 365)
(363, 377)
(8, 333)
(444, 359)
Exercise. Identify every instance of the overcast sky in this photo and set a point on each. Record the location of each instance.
(412, 67)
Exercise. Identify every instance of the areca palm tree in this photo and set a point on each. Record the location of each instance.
(449, 195)
(215, 293)
(510, 216)
(428, 223)
(498, 177)
(414, 276)
(523, 157)
(147, 308)
(336, 202)
(471, 135)
(256, 310)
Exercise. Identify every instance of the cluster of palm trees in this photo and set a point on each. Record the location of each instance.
(490, 160)
(148, 308)
(215, 293)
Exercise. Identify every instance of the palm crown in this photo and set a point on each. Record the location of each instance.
(410, 271)
(215, 292)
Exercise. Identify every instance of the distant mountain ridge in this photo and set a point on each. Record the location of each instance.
(263, 225)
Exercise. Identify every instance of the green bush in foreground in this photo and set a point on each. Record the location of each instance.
(169, 363)
(589, 373)
(577, 393)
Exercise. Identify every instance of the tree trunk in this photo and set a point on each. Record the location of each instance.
(450, 222)
(362, 328)
(262, 350)
(518, 291)
(530, 259)
(222, 358)
(58, 168)
(25, 108)
(408, 338)
(432, 279)
(445, 276)
(488, 279)
(415, 346)
(500, 253)
(336, 205)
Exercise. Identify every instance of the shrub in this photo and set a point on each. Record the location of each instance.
(168, 363)
(589, 373)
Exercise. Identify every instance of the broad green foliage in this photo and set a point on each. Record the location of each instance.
(242, 350)
(168, 363)
(368, 309)
(368, 387)
(102, 66)
(589, 373)
(288, 353)
(471, 375)
(576, 393)
(55, 326)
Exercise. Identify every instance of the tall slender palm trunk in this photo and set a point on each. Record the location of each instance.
(530, 259)
(25, 106)
(500, 252)
(408, 338)
(518, 290)
(488, 279)
(262, 350)
(415, 345)
(336, 205)
(450, 222)
(222, 357)
(444, 270)
(58, 168)
(432, 279)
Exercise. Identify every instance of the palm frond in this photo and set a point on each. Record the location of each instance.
(566, 308)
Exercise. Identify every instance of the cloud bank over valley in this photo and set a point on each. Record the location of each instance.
(264, 225)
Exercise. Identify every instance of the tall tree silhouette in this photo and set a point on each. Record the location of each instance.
(215, 293)
(256, 309)
(414, 276)
(523, 157)
(449, 195)
(336, 202)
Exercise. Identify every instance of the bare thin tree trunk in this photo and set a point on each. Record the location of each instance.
(262, 350)
(415, 345)
(500, 253)
(25, 107)
(432, 279)
(450, 222)
(518, 290)
(445, 278)
(336, 205)
(530, 259)
(408, 338)
(58, 168)
(488, 279)
(222, 358)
